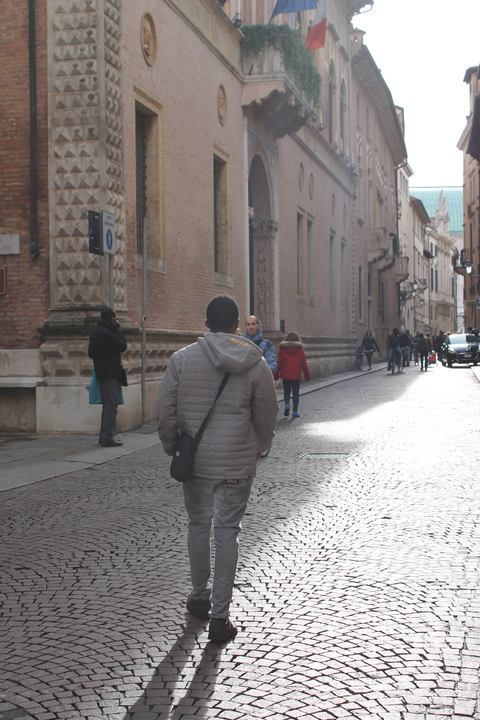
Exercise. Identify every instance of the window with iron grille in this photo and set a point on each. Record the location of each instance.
(221, 216)
(310, 261)
(141, 174)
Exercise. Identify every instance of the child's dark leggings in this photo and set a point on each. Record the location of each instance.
(293, 387)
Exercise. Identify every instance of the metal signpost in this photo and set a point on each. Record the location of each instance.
(144, 313)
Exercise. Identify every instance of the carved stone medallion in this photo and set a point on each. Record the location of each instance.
(148, 37)
(222, 104)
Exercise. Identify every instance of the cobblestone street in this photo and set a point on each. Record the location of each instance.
(357, 593)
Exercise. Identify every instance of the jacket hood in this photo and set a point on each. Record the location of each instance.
(230, 353)
(291, 345)
(255, 338)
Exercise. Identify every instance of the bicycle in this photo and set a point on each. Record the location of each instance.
(397, 360)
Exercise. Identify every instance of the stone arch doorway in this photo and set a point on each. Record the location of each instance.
(262, 231)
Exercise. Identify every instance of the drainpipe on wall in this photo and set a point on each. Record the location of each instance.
(32, 47)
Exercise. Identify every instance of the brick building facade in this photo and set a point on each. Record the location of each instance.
(247, 185)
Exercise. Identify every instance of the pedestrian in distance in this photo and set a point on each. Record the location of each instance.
(404, 345)
(254, 332)
(409, 347)
(292, 362)
(241, 426)
(359, 357)
(423, 349)
(393, 346)
(438, 344)
(370, 346)
(107, 343)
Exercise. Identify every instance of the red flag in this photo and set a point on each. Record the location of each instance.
(318, 29)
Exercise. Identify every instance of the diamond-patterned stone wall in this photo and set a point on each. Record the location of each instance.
(86, 147)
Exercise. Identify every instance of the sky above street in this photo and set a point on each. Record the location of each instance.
(423, 48)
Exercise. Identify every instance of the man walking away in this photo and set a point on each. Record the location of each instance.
(107, 343)
(423, 349)
(241, 426)
(254, 332)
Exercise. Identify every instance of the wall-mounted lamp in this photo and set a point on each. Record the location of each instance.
(237, 20)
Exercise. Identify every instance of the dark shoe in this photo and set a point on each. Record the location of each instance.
(286, 412)
(221, 631)
(111, 443)
(199, 608)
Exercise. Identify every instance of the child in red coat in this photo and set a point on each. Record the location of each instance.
(291, 361)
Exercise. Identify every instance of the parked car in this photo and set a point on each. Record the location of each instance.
(460, 348)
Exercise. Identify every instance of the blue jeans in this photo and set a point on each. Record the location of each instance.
(293, 387)
(224, 502)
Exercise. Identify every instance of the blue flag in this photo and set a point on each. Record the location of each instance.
(288, 6)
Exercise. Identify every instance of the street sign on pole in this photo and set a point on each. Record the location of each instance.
(477, 303)
(95, 233)
(108, 230)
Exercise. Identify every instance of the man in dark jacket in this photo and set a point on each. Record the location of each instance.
(423, 348)
(107, 343)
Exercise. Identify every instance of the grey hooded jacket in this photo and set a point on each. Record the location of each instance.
(243, 420)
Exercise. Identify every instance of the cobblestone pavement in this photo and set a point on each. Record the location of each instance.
(358, 585)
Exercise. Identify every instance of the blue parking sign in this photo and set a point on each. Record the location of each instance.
(108, 226)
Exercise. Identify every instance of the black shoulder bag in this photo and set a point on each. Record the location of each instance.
(181, 467)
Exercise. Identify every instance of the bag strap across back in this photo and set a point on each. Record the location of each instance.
(202, 427)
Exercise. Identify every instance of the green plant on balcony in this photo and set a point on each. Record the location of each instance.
(293, 52)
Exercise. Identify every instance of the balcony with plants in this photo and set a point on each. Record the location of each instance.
(281, 81)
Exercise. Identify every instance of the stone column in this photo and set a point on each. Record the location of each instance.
(85, 173)
(86, 154)
(264, 275)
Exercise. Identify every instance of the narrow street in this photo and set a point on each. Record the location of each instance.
(357, 593)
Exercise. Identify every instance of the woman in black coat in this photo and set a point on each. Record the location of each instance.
(369, 345)
(107, 343)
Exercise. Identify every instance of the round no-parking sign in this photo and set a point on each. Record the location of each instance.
(108, 225)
